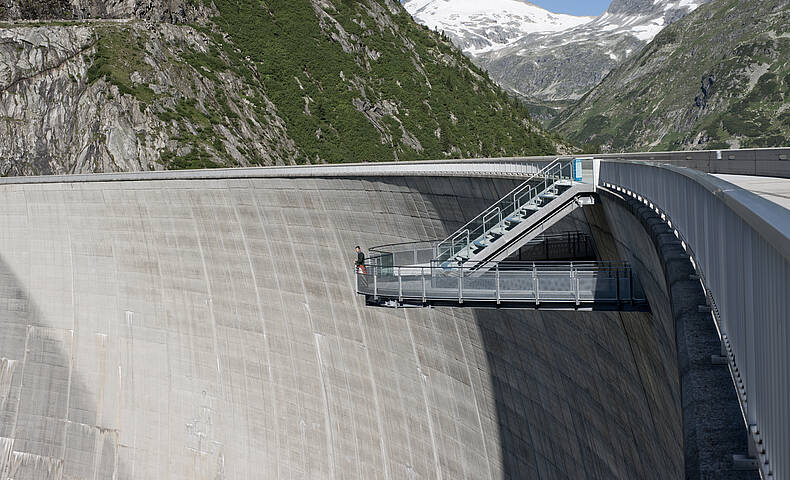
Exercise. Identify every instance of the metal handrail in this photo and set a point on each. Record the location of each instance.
(461, 234)
(549, 174)
(539, 282)
(428, 247)
(511, 193)
(496, 212)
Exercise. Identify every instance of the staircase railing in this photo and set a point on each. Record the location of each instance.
(528, 192)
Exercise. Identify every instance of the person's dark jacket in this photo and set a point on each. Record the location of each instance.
(360, 258)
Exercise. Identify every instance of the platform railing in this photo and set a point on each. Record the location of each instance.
(569, 283)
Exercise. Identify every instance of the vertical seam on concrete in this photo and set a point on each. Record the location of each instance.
(263, 322)
(327, 413)
(209, 301)
(290, 357)
(28, 328)
(365, 342)
(421, 378)
(474, 395)
(325, 394)
(162, 294)
(641, 382)
(100, 404)
(71, 344)
(542, 321)
(247, 402)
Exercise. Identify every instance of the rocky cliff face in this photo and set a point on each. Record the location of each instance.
(719, 78)
(124, 97)
(173, 11)
(112, 86)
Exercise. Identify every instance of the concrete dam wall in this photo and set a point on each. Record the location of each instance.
(208, 329)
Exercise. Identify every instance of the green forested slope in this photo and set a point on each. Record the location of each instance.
(358, 80)
(718, 78)
(244, 82)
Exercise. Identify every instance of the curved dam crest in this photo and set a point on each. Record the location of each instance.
(208, 329)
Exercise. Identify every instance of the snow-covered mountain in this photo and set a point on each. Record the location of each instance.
(547, 56)
(478, 26)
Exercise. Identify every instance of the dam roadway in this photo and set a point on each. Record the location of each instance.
(203, 325)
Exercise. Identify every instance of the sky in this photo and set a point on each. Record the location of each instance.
(574, 7)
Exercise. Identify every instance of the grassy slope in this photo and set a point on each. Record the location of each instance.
(740, 50)
(285, 43)
(424, 99)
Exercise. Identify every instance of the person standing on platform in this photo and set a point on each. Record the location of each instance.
(360, 261)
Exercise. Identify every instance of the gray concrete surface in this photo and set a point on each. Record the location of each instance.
(713, 430)
(740, 245)
(207, 329)
(774, 189)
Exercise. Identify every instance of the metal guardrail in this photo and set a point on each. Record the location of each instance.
(570, 284)
(561, 246)
(525, 194)
(741, 248)
(772, 162)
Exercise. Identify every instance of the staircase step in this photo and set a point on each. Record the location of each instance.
(495, 233)
(511, 222)
(478, 246)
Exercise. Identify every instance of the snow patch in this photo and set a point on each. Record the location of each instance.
(489, 25)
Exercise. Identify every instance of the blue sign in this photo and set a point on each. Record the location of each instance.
(577, 170)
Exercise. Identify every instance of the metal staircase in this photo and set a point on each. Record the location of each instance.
(469, 267)
(520, 216)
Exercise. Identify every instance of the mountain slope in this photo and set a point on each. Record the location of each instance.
(718, 78)
(478, 27)
(546, 57)
(239, 82)
(566, 64)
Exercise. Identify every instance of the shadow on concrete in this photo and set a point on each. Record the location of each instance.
(576, 394)
(48, 410)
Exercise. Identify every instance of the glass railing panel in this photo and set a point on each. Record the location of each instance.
(413, 286)
(559, 286)
(480, 287)
(387, 286)
(516, 285)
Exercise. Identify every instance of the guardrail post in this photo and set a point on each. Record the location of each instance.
(356, 278)
(575, 280)
(631, 284)
(375, 283)
(498, 292)
(461, 285)
(424, 296)
(617, 284)
(536, 282)
(400, 287)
